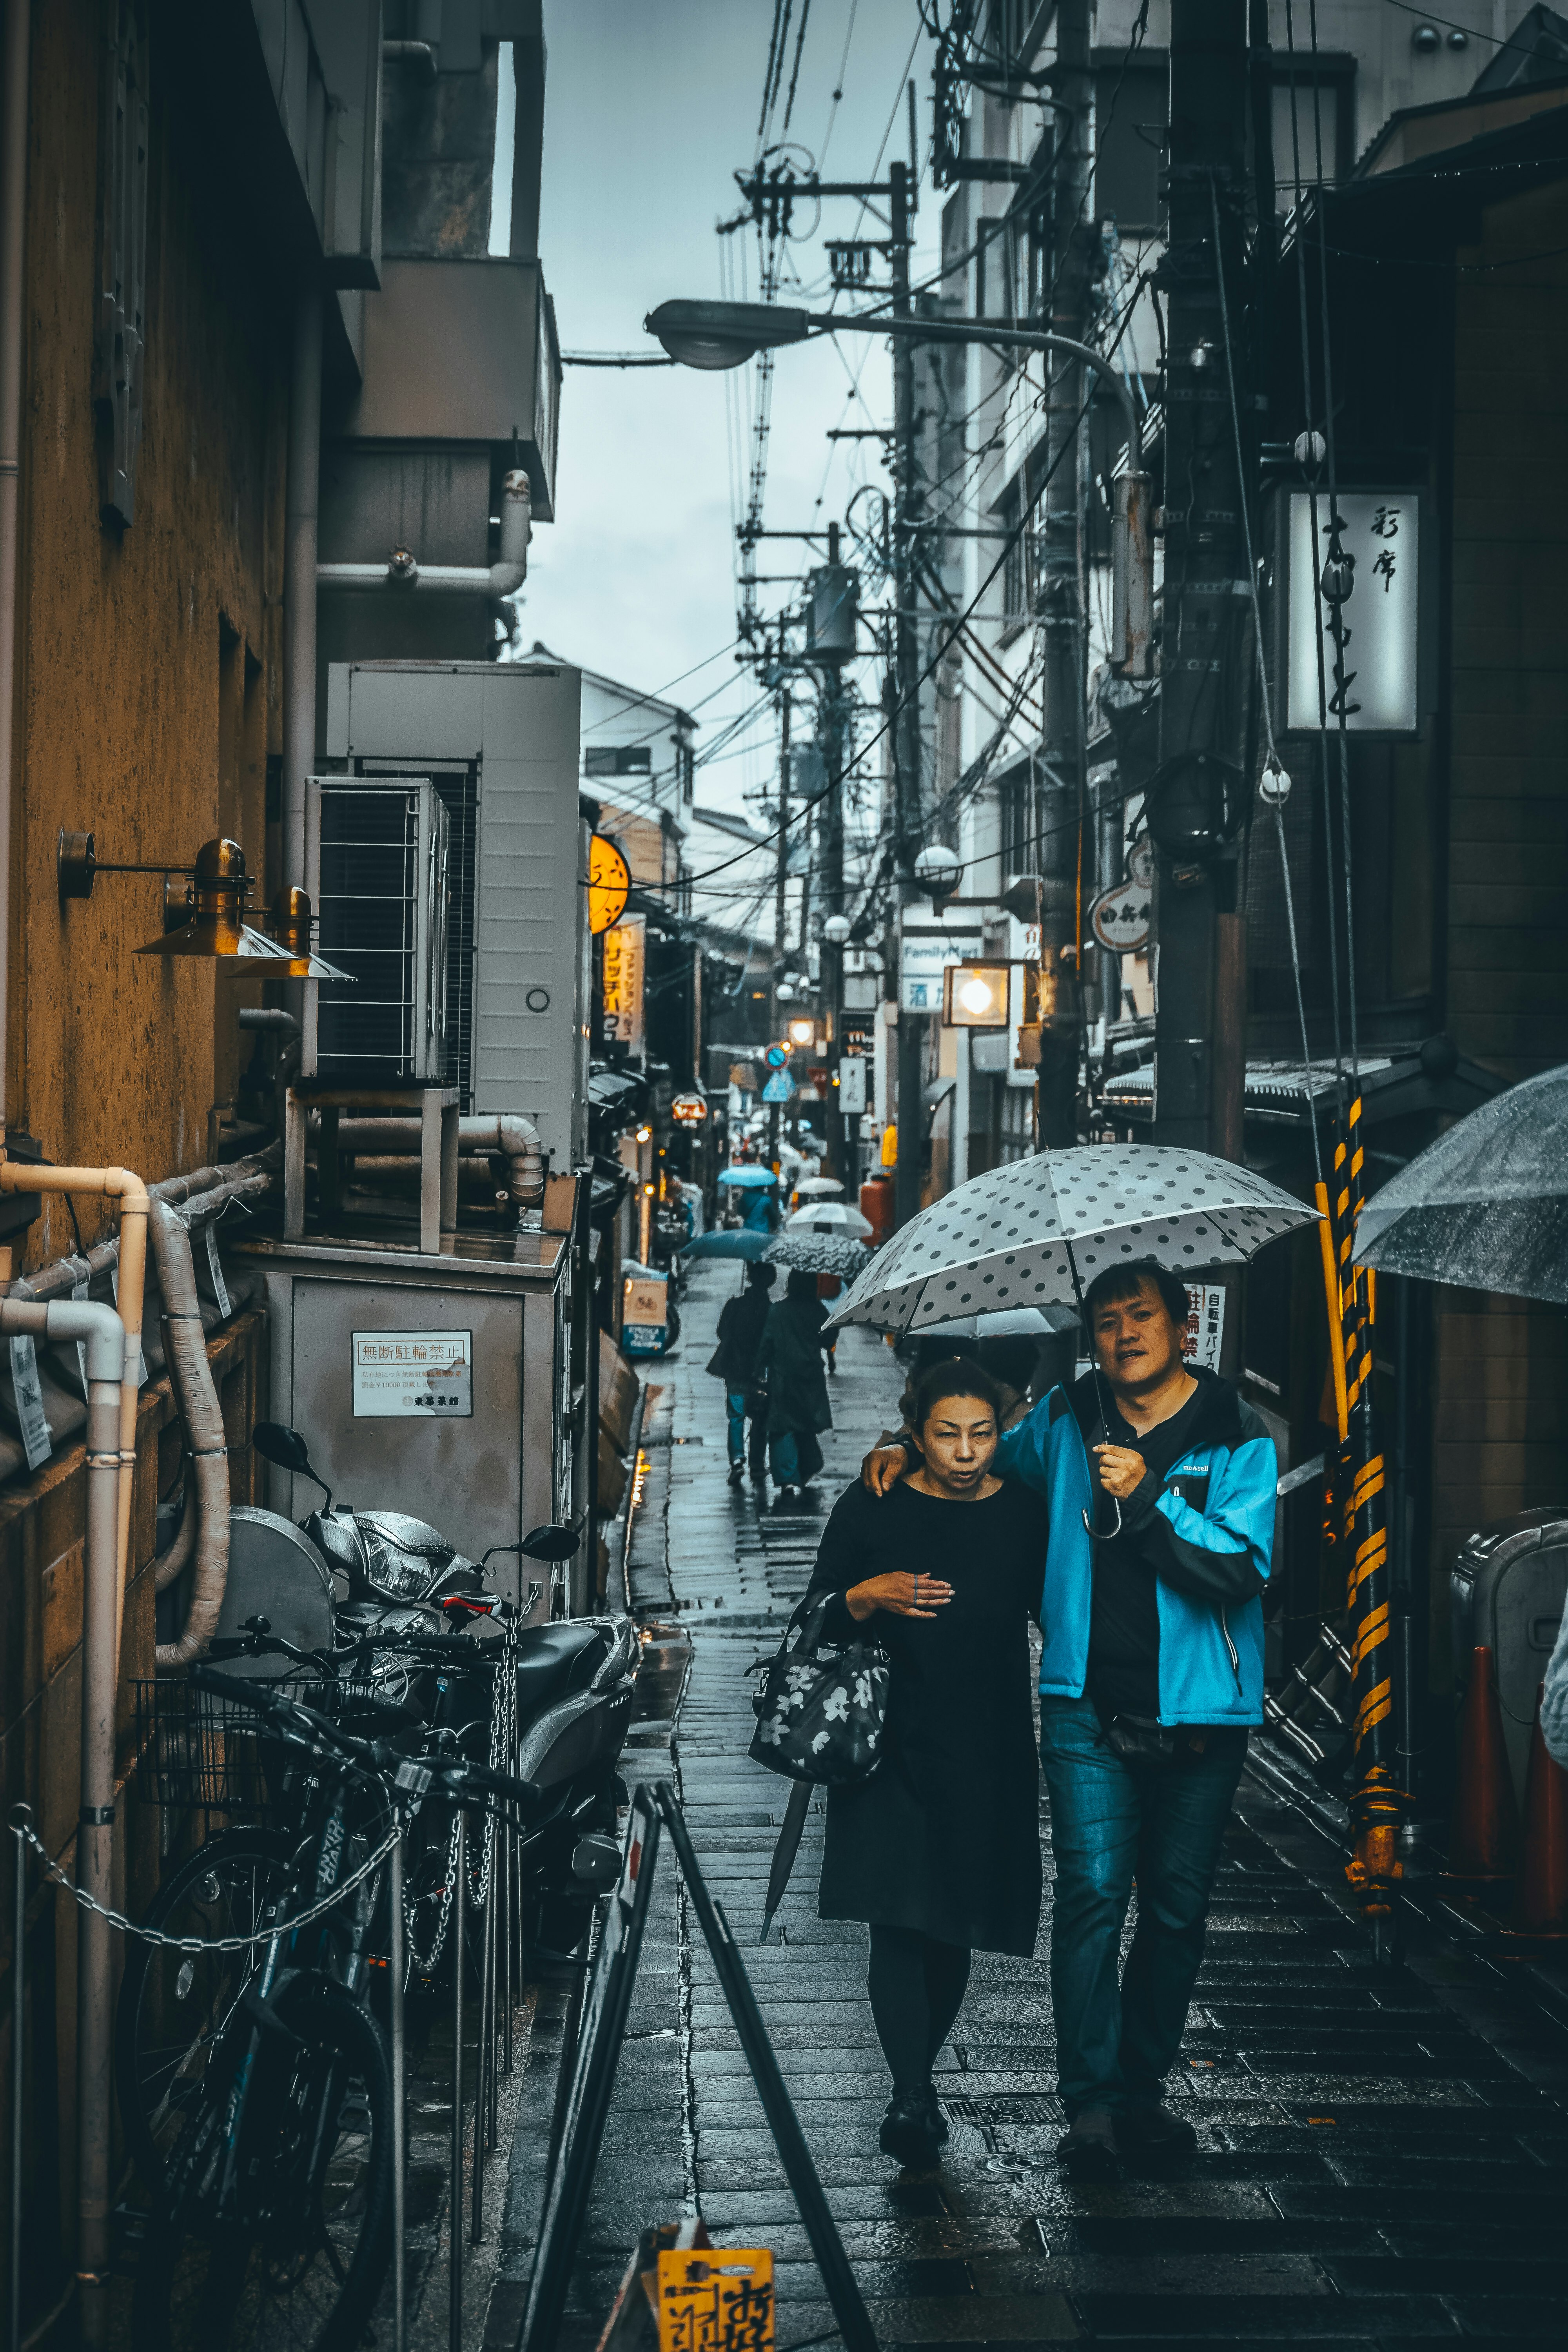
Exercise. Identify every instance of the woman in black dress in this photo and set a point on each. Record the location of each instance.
(940, 1849)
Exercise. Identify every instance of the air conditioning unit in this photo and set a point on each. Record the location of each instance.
(377, 856)
(499, 743)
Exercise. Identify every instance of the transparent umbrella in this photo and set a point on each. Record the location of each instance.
(831, 1217)
(1487, 1205)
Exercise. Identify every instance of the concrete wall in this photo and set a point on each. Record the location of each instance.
(148, 657)
(1500, 1365)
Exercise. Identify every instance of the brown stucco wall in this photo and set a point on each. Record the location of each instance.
(132, 643)
(148, 704)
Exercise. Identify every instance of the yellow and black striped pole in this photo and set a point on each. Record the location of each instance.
(1377, 1801)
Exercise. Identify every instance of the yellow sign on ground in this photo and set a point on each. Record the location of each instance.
(718, 2299)
(609, 879)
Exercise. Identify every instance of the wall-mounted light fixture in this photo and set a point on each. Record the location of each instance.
(213, 926)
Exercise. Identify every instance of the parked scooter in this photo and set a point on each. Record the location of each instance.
(399, 1585)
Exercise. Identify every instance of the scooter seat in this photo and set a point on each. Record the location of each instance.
(554, 1661)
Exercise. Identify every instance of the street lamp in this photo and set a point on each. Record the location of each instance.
(711, 335)
(727, 334)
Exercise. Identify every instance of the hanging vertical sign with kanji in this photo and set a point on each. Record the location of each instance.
(1353, 612)
(1204, 1333)
(719, 2299)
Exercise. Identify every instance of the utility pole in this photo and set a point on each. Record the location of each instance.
(781, 889)
(1064, 788)
(1199, 1018)
(830, 843)
(907, 676)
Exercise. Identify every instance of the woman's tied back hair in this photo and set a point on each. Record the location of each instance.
(956, 1376)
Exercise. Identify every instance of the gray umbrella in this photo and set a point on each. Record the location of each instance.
(1487, 1205)
(1032, 1233)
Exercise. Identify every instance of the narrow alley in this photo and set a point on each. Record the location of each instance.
(1372, 2168)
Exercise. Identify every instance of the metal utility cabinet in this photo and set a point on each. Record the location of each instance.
(435, 1385)
(498, 740)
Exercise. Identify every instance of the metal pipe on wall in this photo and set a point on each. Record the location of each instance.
(102, 1330)
(299, 543)
(13, 249)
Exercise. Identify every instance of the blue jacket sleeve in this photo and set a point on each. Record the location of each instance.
(1222, 1552)
(1023, 1450)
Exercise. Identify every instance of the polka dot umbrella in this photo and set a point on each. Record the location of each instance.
(1037, 1231)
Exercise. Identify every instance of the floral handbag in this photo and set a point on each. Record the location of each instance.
(822, 1707)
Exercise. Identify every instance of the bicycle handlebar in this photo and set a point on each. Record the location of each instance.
(415, 1773)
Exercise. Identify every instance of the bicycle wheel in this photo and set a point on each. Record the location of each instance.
(290, 2256)
(173, 2004)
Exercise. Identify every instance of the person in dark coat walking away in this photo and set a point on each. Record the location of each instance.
(939, 1850)
(734, 1361)
(1150, 1672)
(790, 1360)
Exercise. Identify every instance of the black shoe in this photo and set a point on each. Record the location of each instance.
(908, 2134)
(933, 2108)
(1088, 2150)
(1154, 2132)
(737, 1472)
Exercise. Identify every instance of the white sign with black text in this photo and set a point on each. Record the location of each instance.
(1206, 1324)
(414, 1375)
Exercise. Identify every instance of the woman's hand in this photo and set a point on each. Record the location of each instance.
(1121, 1470)
(884, 1466)
(899, 1592)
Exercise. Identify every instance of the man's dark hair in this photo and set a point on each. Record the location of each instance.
(765, 1276)
(958, 1376)
(1119, 1282)
(802, 1283)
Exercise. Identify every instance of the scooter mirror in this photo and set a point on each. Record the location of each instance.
(550, 1541)
(275, 1442)
(287, 1450)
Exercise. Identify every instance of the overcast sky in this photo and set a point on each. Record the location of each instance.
(650, 107)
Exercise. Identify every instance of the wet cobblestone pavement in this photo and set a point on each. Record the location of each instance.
(1383, 2157)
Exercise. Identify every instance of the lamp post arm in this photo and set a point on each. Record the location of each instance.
(945, 330)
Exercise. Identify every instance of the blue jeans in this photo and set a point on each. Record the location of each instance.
(1112, 1822)
(795, 1457)
(735, 1433)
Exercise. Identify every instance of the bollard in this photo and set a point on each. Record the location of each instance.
(20, 1817)
(484, 2056)
(459, 1937)
(508, 1946)
(399, 2121)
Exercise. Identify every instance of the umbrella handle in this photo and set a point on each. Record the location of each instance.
(1111, 1533)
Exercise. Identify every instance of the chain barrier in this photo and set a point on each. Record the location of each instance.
(196, 1943)
(503, 1732)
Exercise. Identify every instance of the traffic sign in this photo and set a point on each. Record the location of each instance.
(776, 1057)
(779, 1087)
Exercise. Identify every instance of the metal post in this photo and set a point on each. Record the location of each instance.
(396, 1967)
(906, 733)
(508, 1979)
(459, 1939)
(1201, 705)
(484, 2051)
(493, 1957)
(20, 1817)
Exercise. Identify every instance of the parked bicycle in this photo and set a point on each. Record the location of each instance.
(272, 2226)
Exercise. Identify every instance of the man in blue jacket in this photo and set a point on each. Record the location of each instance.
(1150, 1674)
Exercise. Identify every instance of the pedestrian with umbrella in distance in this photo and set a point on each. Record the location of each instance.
(1158, 1482)
(734, 1361)
(790, 1361)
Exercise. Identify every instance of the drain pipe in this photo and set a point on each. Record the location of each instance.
(300, 541)
(15, 66)
(118, 1184)
(196, 1393)
(403, 572)
(100, 1328)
